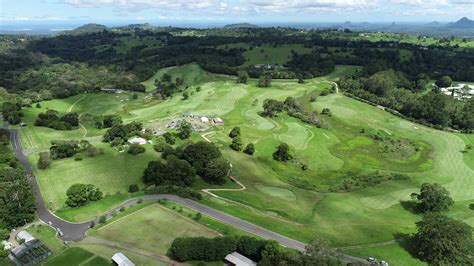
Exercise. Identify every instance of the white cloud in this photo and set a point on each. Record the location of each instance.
(307, 5)
(144, 4)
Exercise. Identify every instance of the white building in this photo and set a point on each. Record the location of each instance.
(122, 260)
(137, 140)
(238, 259)
(23, 235)
(204, 119)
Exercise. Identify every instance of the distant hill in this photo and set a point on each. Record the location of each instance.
(87, 28)
(144, 26)
(463, 23)
(240, 25)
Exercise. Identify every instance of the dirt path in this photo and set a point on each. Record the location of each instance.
(74, 104)
(93, 240)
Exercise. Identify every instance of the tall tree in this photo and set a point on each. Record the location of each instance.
(282, 153)
(443, 241)
(434, 198)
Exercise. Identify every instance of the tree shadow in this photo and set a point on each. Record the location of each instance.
(411, 206)
(407, 242)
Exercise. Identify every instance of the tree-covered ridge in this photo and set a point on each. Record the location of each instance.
(66, 65)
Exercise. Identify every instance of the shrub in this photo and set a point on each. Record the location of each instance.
(200, 248)
(282, 153)
(169, 138)
(183, 192)
(122, 209)
(78, 157)
(198, 216)
(103, 219)
(133, 188)
(236, 144)
(44, 160)
(140, 201)
(235, 132)
(135, 149)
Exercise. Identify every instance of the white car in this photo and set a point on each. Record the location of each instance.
(383, 263)
(371, 259)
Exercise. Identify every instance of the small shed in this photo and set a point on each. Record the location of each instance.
(137, 140)
(122, 260)
(204, 119)
(24, 235)
(218, 121)
(237, 259)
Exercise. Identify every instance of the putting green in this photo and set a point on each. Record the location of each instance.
(282, 193)
(297, 136)
(387, 200)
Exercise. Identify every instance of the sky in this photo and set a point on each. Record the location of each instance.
(231, 11)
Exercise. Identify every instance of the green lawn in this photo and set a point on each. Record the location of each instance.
(165, 224)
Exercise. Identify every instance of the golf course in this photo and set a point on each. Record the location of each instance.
(358, 139)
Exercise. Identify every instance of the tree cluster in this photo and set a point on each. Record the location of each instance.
(81, 194)
(180, 166)
(52, 120)
(17, 201)
(264, 252)
(119, 133)
(12, 112)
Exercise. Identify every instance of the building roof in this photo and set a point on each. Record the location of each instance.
(204, 119)
(25, 236)
(137, 140)
(122, 260)
(239, 259)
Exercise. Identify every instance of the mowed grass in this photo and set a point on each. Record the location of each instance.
(112, 173)
(78, 256)
(152, 228)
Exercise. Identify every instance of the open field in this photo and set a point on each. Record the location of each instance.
(281, 196)
(165, 224)
(267, 54)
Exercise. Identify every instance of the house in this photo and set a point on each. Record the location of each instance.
(24, 236)
(237, 259)
(204, 119)
(6, 245)
(137, 140)
(122, 260)
(110, 90)
(23, 124)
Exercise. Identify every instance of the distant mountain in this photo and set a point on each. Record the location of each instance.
(463, 23)
(87, 28)
(433, 24)
(240, 25)
(144, 26)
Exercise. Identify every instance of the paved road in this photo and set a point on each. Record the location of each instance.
(76, 231)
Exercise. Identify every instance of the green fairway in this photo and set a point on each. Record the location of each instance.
(165, 224)
(359, 139)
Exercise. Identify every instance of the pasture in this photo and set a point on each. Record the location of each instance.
(165, 224)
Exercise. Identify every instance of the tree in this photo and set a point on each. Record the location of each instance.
(250, 247)
(11, 112)
(243, 77)
(265, 80)
(71, 119)
(81, 194)
(4, 234)
(272, 107)
(444, 82)
(44, 160)
(434, 198)
(282, 153)
(184, 129)
(249, 149)
(169, 138)
(236, 144)
(443, 241)
(215, 171)
(136, 149)
(234, 132)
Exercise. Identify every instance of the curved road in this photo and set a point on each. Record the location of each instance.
(76, 231)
